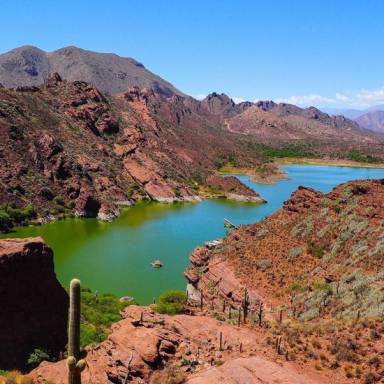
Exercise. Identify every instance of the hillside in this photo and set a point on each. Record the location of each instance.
(107, 71)
(282, 124)
(373, 121)
(68, 149)
(315, 269)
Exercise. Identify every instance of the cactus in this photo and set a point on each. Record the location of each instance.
(221, 342)
(281, 316)
(239, 317)
(278, 345)
(75, 364)
(245, 304)
(260, 314)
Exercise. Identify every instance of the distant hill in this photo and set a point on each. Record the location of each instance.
(281, 124)
(109, 72)
(352, 113)
(373, 121)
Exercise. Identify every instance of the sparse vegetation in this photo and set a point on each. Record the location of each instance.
(360, 157)
(98, 313)
(171, 302)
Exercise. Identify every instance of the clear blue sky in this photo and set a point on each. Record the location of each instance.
(247, 49)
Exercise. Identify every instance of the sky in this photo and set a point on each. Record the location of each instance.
(308, 52)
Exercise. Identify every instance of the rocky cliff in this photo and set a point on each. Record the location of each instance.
(33, 304)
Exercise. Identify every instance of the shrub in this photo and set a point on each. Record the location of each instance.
(36, 357)
(316, 250)
(10, 215)
(264, 264)
(59, 200)
(324, 287)
(171, 302)
(99, 312)
(5, 220)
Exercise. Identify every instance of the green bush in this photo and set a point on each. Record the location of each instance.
(98, 313)
(171, 302)
(362, 157)
(10, 215)
(292, 150)
(36, 357)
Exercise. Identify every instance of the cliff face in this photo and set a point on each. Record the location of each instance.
(33, 304)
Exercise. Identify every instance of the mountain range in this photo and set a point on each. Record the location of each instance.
(76, 144)
(371, 118)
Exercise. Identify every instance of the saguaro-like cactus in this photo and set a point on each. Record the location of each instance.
(260, 314)
(75, 364)
(278, 345)
(245, 304)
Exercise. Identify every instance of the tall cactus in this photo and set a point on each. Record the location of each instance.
(75, 364)
(245, 303)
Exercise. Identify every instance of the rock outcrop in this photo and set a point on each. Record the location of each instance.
(33, 304)
(180, 348)
(231, 188)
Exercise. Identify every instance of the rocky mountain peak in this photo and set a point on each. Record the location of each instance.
(31, 66)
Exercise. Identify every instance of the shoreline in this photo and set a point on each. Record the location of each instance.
(277, 174)
(328, 162)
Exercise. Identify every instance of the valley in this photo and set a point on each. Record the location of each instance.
(264, 221)
(120, 252)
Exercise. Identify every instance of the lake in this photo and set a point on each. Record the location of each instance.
(115, 257)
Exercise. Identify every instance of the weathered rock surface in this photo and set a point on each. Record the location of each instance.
(33, 304)
(252, 370)
(164, 347)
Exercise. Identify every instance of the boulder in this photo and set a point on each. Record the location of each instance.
(33, 304)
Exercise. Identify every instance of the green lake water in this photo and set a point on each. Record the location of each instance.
(115, 257)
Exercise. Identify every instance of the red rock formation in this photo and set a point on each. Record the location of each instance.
(156, 347)
(33, 304)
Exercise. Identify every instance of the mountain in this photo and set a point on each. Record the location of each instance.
(372, 120)
(353, 113)
(30, 66)
(66, 149)
(282, 124)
